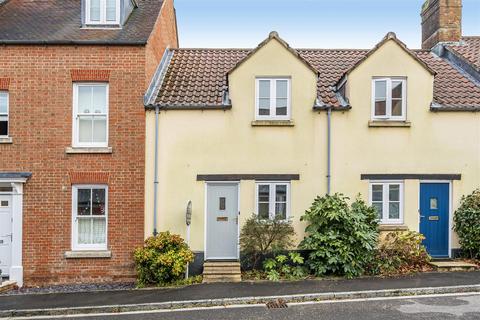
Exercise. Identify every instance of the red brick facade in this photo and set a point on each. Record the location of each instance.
(40, 93)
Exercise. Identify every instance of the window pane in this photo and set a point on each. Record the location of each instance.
(281, 107)
(264, 89)
(379, 207)
(83, 202)
(281, 210)
(3, 103)
(263, 211)
(264, 106)
(380, 108)
(111, 10)
(281, 193)
(99, 129)
(394, 210)
(377, 192)
(396, 89)
(98, 202)
(99, 99)
(84, 230)
(396, 107)
(381, 90)
(98, 231)
(85, 129)
(3, 126)
(85, 99)
(95, 10)
(263, 193)
(282, 89)
(394, 193)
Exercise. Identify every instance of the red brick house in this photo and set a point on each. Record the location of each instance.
(73, 74)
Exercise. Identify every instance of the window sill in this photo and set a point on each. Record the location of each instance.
(273, 123)
(79, 150)
(88, 254)
(389, 124)
(6, 140)
(393, 227)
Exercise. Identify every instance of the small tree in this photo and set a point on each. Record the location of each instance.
(261, 237)
(467, 224)
(342, 238)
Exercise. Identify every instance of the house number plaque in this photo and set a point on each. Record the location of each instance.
(222, 218)
(433, 218)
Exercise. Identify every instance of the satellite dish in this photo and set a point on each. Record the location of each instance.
(188, 213)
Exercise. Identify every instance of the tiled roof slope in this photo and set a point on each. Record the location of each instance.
(59, 21)
(469, 50)
(198, 77)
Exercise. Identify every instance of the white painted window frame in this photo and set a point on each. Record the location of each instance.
(273, 96)
(87, 247)
(6, 114)
(271, 197)
(76, 116)
(103, 14)
(388, 116)
(385, 200)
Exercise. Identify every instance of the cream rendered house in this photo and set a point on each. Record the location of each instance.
(263, 131)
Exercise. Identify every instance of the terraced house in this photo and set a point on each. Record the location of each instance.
(265, 130)
(73, 74)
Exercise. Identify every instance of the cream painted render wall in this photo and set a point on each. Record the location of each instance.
(224, 142)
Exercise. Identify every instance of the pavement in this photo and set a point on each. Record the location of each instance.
(232, 293)
(444, 307)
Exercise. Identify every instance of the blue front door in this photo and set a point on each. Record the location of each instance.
(434, 208)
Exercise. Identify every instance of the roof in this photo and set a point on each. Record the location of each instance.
(197, 78)
(469, 50)
(59, 22)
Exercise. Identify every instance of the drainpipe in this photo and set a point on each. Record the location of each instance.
(155, 179)
(329, 120)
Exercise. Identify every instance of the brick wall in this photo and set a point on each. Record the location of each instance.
(441, 22)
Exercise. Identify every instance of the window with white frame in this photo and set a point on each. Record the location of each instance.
(90, 113)
(273, 200)
(3, 113)
(102, 12)
(90, 212)
(387, 198)
(389, 99)
(273, 98)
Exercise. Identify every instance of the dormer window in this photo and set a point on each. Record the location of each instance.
(389, 99)
(272, 99)
(102, 12)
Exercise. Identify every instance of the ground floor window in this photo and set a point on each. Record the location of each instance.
(273, 200)
(387, 198)
(90, 212)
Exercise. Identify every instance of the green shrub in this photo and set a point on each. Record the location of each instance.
(400, 252)
(342, 238)
(285, 267)
(467, 224)
(162, 260)
(259, 238)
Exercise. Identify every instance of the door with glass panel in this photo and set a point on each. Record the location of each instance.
(5, 234)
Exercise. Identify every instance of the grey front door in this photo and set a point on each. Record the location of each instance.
(222, 221)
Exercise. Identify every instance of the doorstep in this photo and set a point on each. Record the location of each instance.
(7, 286)
(453, 265)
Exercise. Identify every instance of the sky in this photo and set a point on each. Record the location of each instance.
(306, 23)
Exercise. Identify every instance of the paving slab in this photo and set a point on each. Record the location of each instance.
(234, 290)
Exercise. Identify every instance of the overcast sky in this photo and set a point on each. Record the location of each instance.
(306, 23)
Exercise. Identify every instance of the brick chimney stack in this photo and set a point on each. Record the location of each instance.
(441, 22)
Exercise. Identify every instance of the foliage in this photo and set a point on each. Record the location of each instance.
(261, 237)
(162, 260)
(342, 238)
(400, 252)
(467, 224)
(285, 267)
(185, 282)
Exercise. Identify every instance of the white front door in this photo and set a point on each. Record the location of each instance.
(5, 234)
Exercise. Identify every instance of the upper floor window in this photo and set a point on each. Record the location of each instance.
(3, 113)
(90, 211)
(272, 98)
(90, 115)
(102, 12)
(387, 198)
(273, 200)
(389, 99)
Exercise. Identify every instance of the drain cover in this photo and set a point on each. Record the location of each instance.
(277, 304)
